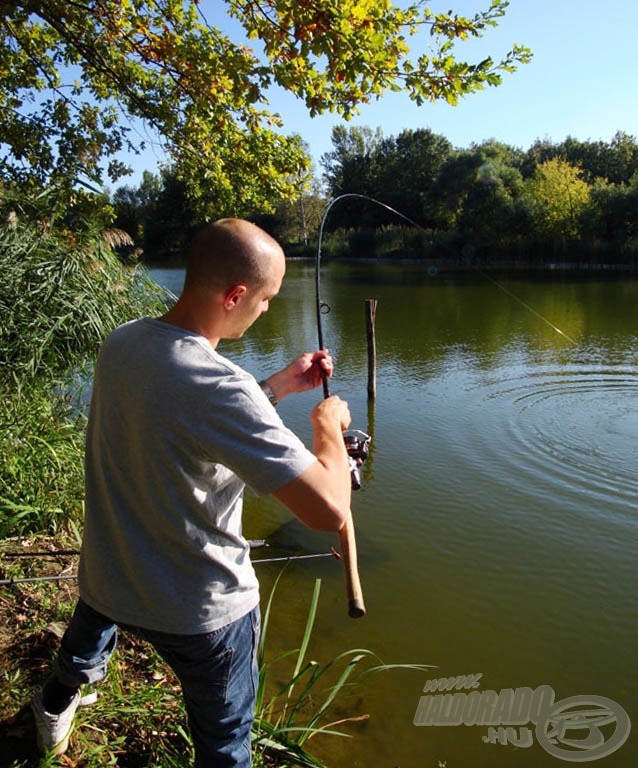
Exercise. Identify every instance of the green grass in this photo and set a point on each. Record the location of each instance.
(41, 460)
(138, 718)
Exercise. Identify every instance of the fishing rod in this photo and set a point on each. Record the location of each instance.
(70, 576)
(357, 442)
(252, 543)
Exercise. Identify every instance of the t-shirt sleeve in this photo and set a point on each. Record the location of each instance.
(241, 430)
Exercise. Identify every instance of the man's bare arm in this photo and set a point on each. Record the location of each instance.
(320, 496)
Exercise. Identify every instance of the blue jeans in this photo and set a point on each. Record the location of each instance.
(217, 671)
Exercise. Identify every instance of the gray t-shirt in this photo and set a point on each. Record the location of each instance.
(175, 431)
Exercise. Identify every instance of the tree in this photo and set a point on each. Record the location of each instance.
(135, 206)
(615, 161)
(169, 221)
(74, 74)
(478, 192)
(347, 167)
(491, 210)
(397, 171)
(613, 214)
(560, 196)
(408, 165)
(350, 168)
(300, 218)
(539, 152)
(300, 215)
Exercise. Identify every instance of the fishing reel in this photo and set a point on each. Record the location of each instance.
(358, 447)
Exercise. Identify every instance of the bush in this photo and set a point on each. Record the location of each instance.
(41, 461)
(61, 292)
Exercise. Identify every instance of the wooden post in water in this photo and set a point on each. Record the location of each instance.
(371, 314)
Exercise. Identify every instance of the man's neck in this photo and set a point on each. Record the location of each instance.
(181, 317)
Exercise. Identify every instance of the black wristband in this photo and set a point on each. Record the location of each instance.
(268, 391)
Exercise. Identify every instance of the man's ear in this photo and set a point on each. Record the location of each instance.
(233, 296)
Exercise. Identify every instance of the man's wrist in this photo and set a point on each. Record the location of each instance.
(269, 392)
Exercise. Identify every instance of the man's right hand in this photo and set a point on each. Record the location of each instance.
(329, 412)
(320, 496)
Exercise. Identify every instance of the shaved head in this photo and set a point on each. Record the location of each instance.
(233, 271)
(231, 252)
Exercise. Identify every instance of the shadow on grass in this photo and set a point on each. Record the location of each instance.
(17, 740)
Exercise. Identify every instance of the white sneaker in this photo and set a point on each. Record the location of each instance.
(53, 731)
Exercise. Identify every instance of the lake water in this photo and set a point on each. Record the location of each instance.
(498, 520)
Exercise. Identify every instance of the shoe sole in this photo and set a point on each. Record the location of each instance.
(59, 749)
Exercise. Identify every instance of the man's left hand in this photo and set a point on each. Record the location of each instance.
(303, 374)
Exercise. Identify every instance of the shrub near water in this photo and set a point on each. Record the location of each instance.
(41, 462)
(61, 292)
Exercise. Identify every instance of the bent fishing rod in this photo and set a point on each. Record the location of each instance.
(357, 445)
(357, 442)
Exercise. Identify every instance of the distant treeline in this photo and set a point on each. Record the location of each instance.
(573, 201)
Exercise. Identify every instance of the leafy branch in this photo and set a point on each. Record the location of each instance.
(205, 95)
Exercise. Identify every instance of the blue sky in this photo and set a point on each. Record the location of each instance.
(582, 81)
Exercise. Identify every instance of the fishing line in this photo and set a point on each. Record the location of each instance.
(323, 308)
(527, 306)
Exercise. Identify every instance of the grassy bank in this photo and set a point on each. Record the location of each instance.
(137, 718)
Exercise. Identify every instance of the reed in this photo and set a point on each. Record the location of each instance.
(61, 292)
(289, 715)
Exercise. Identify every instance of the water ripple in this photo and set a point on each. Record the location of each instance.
(576, 427)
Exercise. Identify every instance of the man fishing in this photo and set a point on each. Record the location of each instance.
(175, 432)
